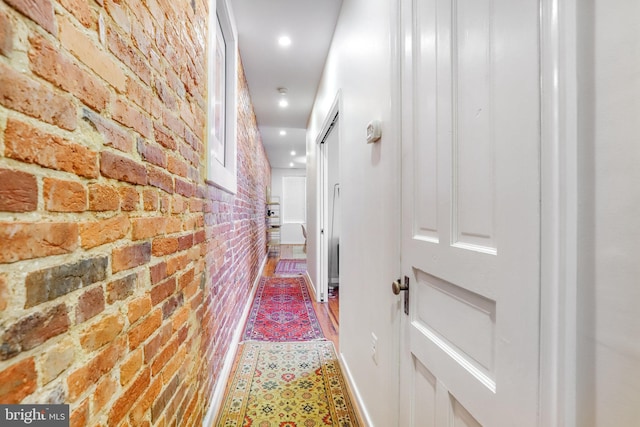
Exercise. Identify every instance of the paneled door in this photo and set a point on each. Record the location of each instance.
(470, 212)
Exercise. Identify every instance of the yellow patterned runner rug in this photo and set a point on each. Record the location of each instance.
(287, 384)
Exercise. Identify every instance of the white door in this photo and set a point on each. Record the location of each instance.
(470, 212)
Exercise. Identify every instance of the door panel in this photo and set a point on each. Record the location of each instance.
(470, 214)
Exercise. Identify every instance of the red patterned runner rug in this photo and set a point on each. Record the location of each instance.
(291, 266)
(282, 311)
(288, 384)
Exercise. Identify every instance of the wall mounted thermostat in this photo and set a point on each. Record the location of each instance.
(374, 131)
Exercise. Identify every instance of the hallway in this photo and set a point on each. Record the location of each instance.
(279, 401)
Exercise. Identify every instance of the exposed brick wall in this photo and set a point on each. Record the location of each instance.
(122, 273)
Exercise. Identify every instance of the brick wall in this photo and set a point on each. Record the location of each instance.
(122, 274)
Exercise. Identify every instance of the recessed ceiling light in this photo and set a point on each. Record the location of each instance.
(293, 153)
(283, 132)
(291, 164)
(284, 41)
(283, 103)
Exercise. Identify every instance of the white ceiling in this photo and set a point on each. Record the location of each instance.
(298, 68)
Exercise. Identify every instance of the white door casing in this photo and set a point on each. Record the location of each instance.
(470, 212)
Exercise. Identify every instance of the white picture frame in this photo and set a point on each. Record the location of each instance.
(222, 96)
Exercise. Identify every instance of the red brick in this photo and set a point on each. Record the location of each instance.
(64, 196)
(90, 304)
(139, 94)
(33, 330)
(21, 93)
(59, 69)
(105, 390)
(164, 246)
(166, 95)
(80, 416)
(181, 317)
(158, 272)
(103, 198)
(40, 11)
(56, 360)
(144, 329)
(190, 154)
(83, 13)
(153, 346)
(119, 14)
(18, 191)
(186, 188)
(91, 54)
(130, 367)
(173, 225)
(113, 135)
(137, 308)
(158, 363)
(173, 123)
(129, 198)
(98, 233)
(101, 332)
(121, 289)
(152, 153)
(127, 257)
(162, 291)
(160, 178)
(53, 282)
(177, 263)
(6, 35)
(177, 166)
(4, 292)
(142, 406)
(28, 144)
(20, 241)
(186, 278)
(150, 199)
(163, 138)
(18, 381)
(131, 117)
(185, 242)
(143, 228)
(122, 168)
(86, 376)
(129, 397)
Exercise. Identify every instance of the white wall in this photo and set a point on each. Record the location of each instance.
(359, 65)
(291, 234)
(609, 208)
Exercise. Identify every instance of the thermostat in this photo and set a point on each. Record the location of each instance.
(374, 131)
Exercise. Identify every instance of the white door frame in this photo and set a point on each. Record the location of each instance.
(559, 205)
(323, 232)
(559, 213)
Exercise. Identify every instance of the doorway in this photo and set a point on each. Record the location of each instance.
(330, 212)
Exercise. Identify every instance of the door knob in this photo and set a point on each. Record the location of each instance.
(398, 286)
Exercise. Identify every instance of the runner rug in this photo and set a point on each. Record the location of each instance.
(291, 266)
(282, 311)
(288, 384)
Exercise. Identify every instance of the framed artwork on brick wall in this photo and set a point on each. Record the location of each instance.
(222, 72)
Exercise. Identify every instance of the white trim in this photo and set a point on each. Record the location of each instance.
(322, 171)
(355, 393)
(223, 176)
(217, 396)
(559, 213)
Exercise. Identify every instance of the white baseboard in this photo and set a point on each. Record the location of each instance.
(218, 392)
(361, 408)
